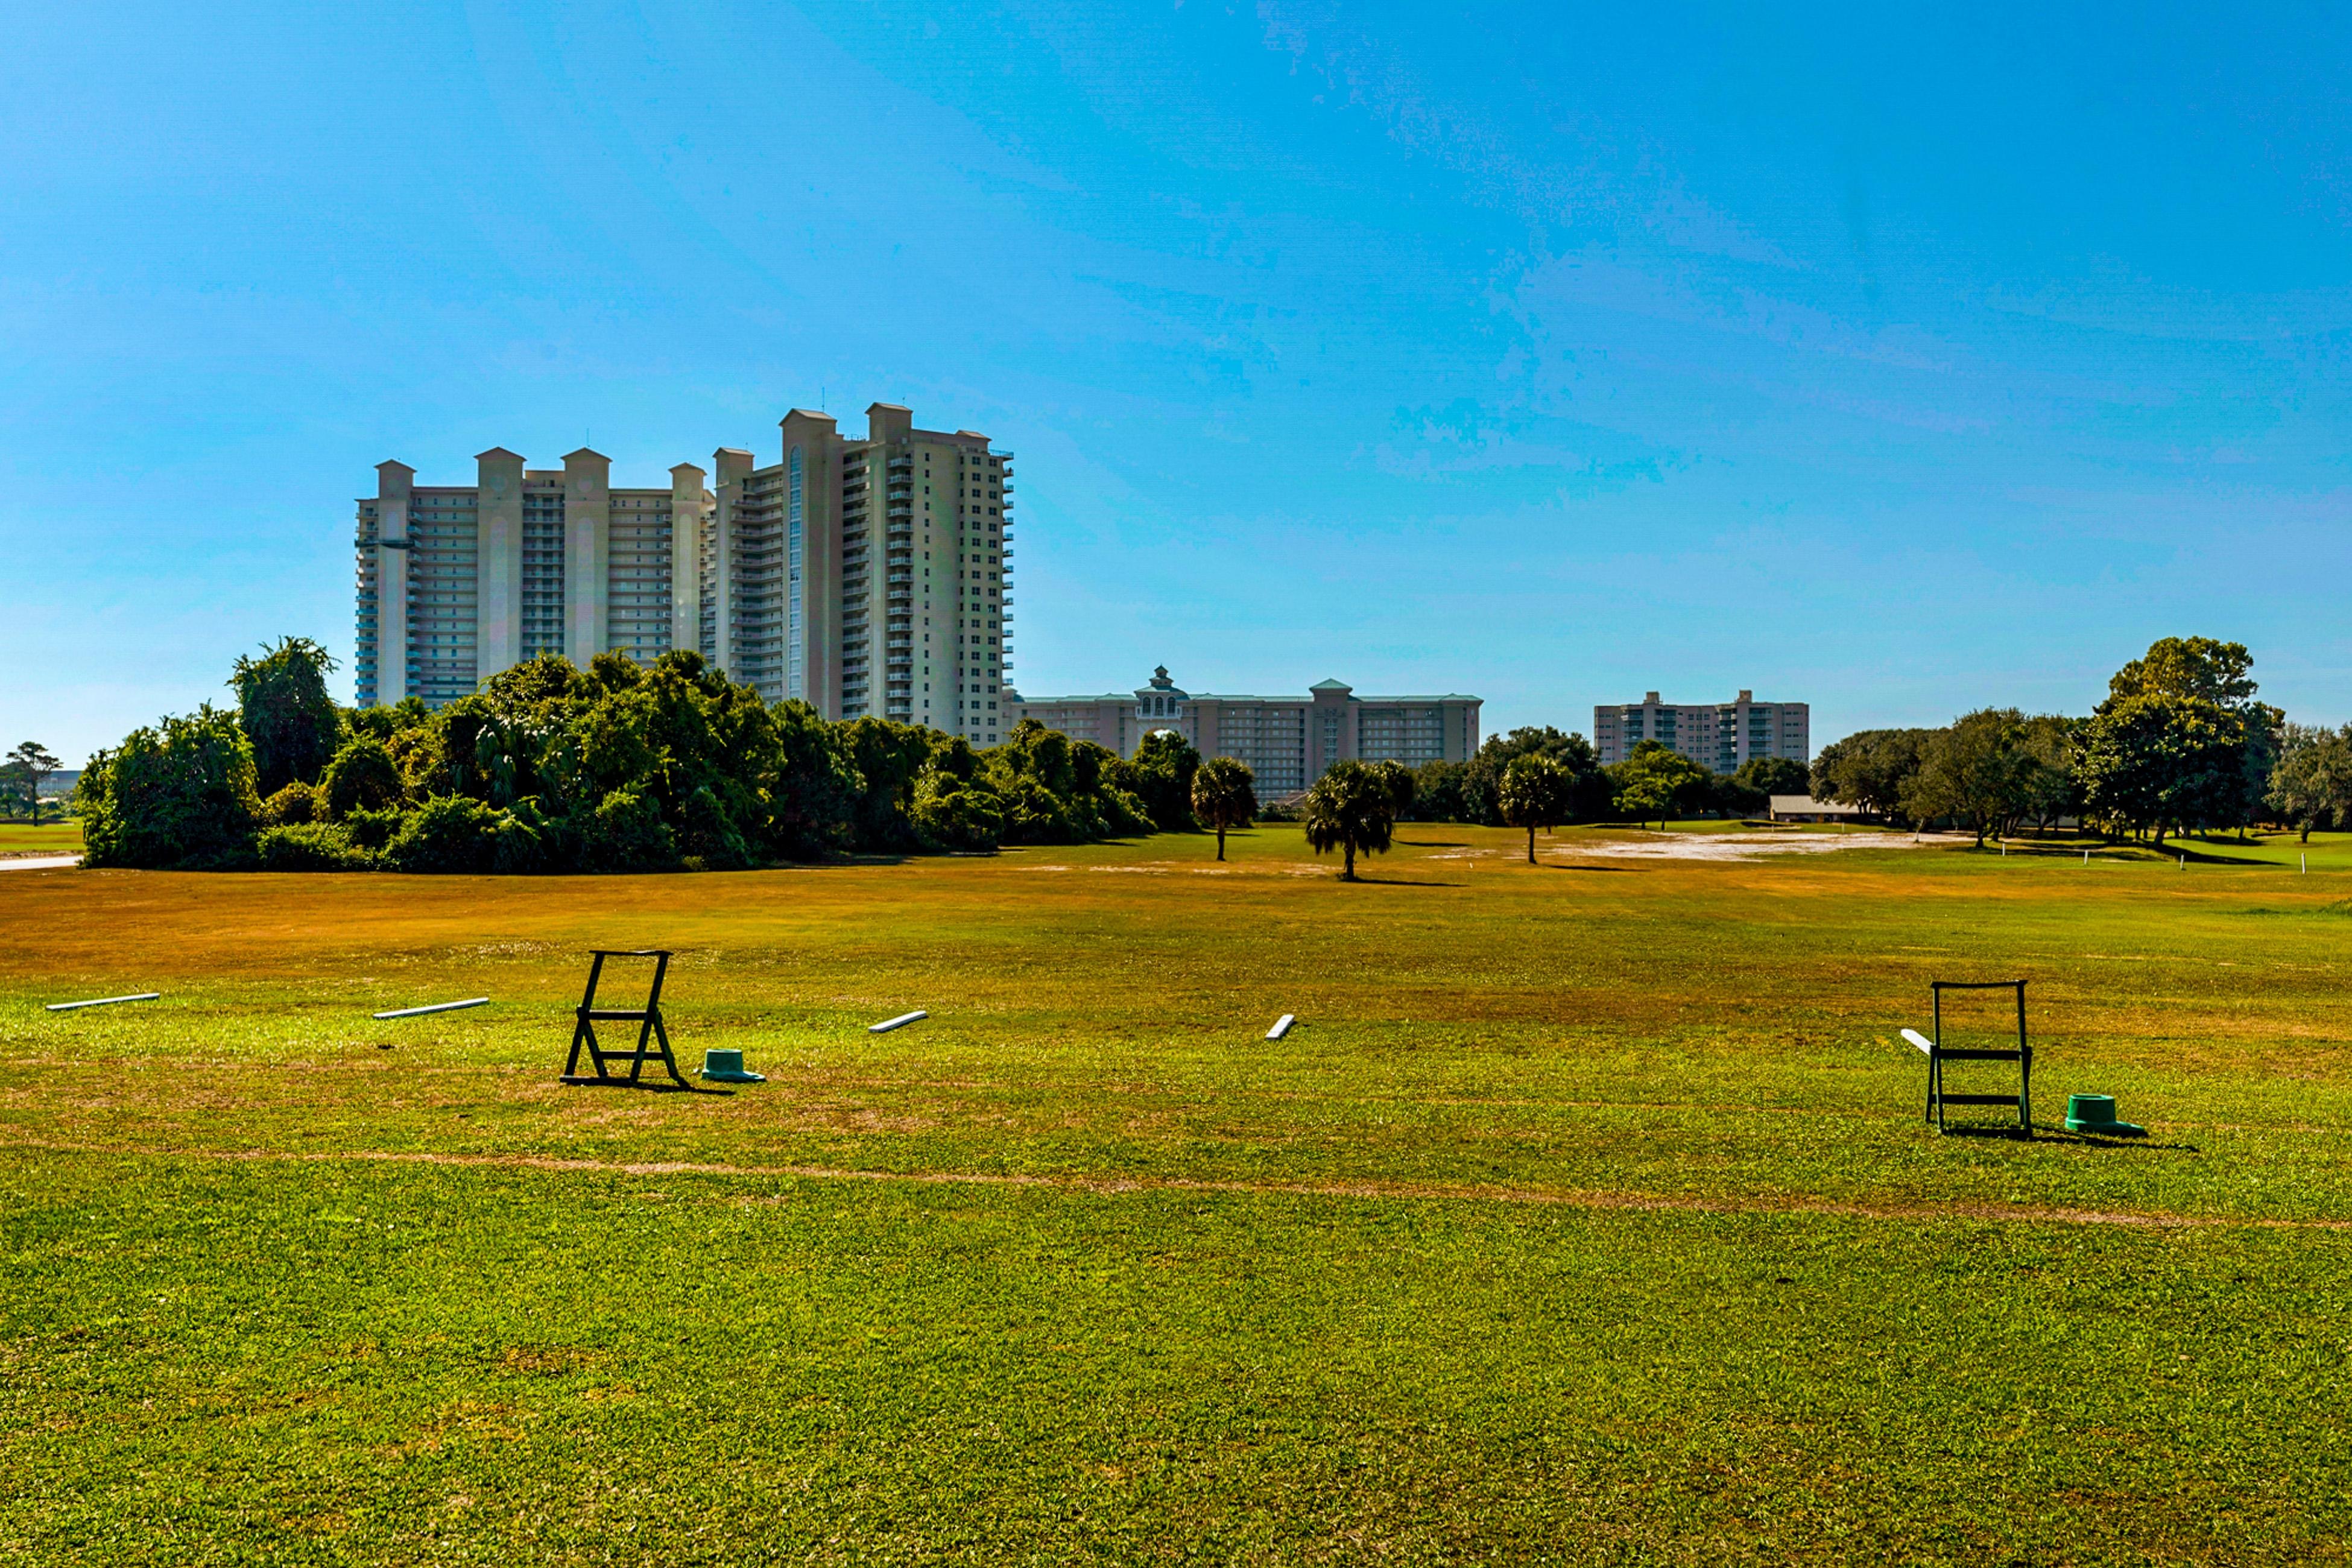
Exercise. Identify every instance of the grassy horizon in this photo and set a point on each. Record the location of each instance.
(1587, 1215)
(49, 837)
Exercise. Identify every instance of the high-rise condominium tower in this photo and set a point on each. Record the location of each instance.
(862, 577)
(1719, 736)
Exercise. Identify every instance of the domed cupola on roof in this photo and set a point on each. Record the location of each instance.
(1160, 703)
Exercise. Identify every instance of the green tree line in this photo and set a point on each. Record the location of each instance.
(616, 767)
(2179, 745)
(1653, 783)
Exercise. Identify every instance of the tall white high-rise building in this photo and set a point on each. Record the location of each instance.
(860, 576)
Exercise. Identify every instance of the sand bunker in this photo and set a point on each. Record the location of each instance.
(1741, 846)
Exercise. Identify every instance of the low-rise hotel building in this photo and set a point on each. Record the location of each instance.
(1288, 742)
(858, 576)
(1718, 736)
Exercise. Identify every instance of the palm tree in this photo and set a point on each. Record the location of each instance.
(1536, 792)
(1350, 809)
(1224, 795)
(1403, 789)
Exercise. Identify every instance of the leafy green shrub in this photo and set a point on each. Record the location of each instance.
(373, 831)
(362, 777)
(627, 833)
(1124, 815)
(310, 847)
(1162, 772)
(950, 813)
(711, 838)
(1034, 813)
(297, 804)
(447, 834)
(178, 797)
(533, 842)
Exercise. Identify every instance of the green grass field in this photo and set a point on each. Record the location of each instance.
(1587, 1216)
(48, 838)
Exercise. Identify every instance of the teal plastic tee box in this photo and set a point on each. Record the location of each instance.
(2095, 1113)
(727, 1067)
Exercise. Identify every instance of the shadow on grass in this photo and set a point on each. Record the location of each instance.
(1401, 882)
(1613, 870)
(1996, 1133)
(581, 1081)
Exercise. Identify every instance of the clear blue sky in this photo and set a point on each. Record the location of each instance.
(1548, 353)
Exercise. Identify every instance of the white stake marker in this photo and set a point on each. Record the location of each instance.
(435, 1007)
(900, 1022)
(1282, 1026)
(102, 1002)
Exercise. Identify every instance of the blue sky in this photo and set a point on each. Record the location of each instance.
(1897, 364)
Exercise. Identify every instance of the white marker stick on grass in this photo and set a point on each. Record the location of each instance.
(103, 1002)
(900, 1022)
(435, 1008)
(1926, 1045)
(1282, 1026)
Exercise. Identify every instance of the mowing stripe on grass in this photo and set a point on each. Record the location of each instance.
(1585, 1198)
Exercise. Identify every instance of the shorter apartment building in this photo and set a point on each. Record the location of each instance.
(1288, 742)
(1718, 736)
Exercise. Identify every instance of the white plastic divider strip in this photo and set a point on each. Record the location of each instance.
(102, 1002)
(435, 1008)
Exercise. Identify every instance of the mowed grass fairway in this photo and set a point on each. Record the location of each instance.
(1587, 1215)
(48, 838)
